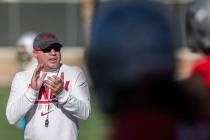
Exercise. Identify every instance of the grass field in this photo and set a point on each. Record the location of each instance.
(97, 127)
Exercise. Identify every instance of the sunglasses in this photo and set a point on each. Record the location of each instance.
(48, 49)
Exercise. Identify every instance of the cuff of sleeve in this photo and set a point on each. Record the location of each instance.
(62, 97)
(31, 94)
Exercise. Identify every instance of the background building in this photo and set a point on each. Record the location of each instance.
(69, 19)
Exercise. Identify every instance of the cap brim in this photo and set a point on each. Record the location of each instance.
(49, 43)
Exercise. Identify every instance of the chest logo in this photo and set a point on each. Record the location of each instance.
(46, 96)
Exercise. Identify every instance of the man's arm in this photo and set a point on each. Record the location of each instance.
(21, 99)
(78, 102)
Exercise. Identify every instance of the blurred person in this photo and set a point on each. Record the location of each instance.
(52, 97)
(198, 23)
(131, 62)
(24, 45)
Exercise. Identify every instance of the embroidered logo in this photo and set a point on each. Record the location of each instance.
(45, 96)
(45, 113)
(48, 37)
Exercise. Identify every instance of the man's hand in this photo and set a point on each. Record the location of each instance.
(36, 81)
(56, 83)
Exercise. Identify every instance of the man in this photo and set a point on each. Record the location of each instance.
(131, 62)
(52, 97)
(24, 46)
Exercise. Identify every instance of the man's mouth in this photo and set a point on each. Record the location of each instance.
(53, 60)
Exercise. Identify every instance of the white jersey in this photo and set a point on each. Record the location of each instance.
(62, 110)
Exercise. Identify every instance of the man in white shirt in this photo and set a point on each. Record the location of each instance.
(52, 97)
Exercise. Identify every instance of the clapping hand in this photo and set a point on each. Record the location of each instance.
(55, 83)
(37, 81)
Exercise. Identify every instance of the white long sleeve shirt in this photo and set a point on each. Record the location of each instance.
(62, 110)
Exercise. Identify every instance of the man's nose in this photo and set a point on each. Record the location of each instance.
(52, 51)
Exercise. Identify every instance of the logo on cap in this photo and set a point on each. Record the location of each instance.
(48, 37)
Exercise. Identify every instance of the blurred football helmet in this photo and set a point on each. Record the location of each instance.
(130, 43)
(198, 26)
(24, 46)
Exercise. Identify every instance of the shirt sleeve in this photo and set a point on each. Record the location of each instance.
(78, 101)
(21, 99)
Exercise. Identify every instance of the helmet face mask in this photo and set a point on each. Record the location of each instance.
(22, 54)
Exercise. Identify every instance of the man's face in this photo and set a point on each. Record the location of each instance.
(49, 57)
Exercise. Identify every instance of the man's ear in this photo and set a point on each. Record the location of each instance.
(35, 53)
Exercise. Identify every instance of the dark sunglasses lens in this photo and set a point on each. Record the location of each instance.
(57, 49)
(47, 50)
